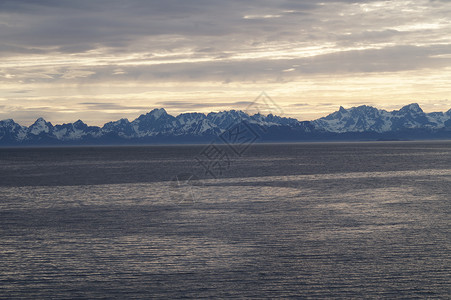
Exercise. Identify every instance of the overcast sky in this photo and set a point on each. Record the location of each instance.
(100, 60)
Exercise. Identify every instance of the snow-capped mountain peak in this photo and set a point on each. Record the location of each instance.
(79, 123)
(40, 126)
(11, 131)
(157, 113)
(8, 122)
(367, 118)
(412, 108)
(158, 125)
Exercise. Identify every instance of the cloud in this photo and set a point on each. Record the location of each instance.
(71, 49)
(110, 106)
(195, 37)
(186, 105)
(80, 26)
(21, 91)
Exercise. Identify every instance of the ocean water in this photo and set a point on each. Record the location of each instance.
(337, 220)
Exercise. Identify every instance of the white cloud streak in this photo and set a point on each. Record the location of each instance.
(150, 52)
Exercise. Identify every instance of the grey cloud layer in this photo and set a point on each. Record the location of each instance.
(88, 24)
(389, 59)
(205, 37)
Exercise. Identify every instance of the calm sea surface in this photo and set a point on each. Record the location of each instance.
(339, 220)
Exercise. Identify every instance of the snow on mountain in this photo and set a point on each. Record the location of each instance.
(440, 119)
(356, 119)
(11, 131)
(410, 116)
(225, 119)
(272, 120)
(122, 128)
(74, 131)
(158, 123)
(366, 118)
(187, 119)
(39, 127)
(195, 124)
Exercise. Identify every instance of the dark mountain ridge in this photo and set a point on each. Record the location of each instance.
(157, 126)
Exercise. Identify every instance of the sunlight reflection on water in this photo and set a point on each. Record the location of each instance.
(373, 233)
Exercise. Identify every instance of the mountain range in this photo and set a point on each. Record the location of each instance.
(158, 127)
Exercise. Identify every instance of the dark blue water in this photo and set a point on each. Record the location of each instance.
(356, 220)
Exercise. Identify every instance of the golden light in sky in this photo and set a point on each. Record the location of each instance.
(103, 60)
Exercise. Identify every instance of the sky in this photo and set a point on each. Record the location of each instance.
(100, 60)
